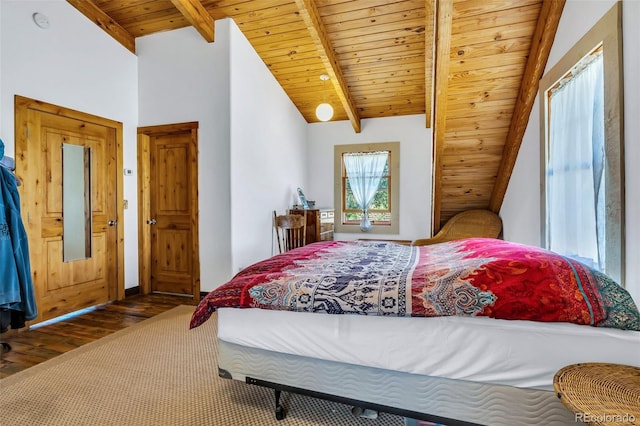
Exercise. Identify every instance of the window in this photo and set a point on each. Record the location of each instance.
(365, 188)
(582, 155)
(367, 174)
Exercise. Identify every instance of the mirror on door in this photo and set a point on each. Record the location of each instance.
(76, 202)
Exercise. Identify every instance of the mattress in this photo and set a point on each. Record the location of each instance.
(523, 354)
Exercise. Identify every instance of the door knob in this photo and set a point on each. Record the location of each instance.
(112, 223)
(152, 222)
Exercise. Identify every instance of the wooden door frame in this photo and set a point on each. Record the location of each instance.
(21, 106)
(144, 201)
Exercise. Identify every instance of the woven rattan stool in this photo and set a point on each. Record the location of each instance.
(600, 393)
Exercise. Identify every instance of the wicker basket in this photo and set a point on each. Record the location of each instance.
(600, 393)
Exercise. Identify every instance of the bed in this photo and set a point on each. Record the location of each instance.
(461, 333)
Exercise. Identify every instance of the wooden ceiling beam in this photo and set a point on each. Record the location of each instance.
(104, 21)
(542, 42)
(444, 20)
(429, 59)
(311, 16)
(195, 13)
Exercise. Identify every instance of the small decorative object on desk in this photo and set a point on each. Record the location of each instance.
(303, 199)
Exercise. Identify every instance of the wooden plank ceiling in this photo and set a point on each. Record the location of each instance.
(481, 58)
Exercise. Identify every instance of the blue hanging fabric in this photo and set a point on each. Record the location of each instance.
(16, 285)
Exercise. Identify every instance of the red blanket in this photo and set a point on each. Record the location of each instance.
(469, 277)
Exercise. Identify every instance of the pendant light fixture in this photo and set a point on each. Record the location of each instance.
(324, 111)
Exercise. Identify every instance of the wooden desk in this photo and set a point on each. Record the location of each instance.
(319, 224)
(600, 393)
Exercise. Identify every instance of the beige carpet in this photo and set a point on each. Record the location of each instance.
(155, 373)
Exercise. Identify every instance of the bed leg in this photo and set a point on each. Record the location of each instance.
(279, 408)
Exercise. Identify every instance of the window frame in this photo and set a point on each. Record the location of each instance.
(393, 226)
(608, 32)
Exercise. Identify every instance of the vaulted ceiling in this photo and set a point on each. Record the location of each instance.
(471, 66)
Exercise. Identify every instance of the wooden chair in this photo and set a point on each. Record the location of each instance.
(291, 230)
(467, 224)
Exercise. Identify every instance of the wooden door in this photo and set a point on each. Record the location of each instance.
(169, 185)
(42, 132)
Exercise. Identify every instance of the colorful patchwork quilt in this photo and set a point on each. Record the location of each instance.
(471, 277)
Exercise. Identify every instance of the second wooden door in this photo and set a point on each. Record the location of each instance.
(172, 218)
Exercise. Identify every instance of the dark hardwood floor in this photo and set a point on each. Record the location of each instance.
(33, 346)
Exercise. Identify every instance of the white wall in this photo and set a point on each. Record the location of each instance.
(521, 209)
(268, 153)
(415, 167)
(76, 65)
(251, 138)
(2, 79)
(183, 78)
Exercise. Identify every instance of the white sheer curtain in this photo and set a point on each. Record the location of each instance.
(575, 165)
(364, 171)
